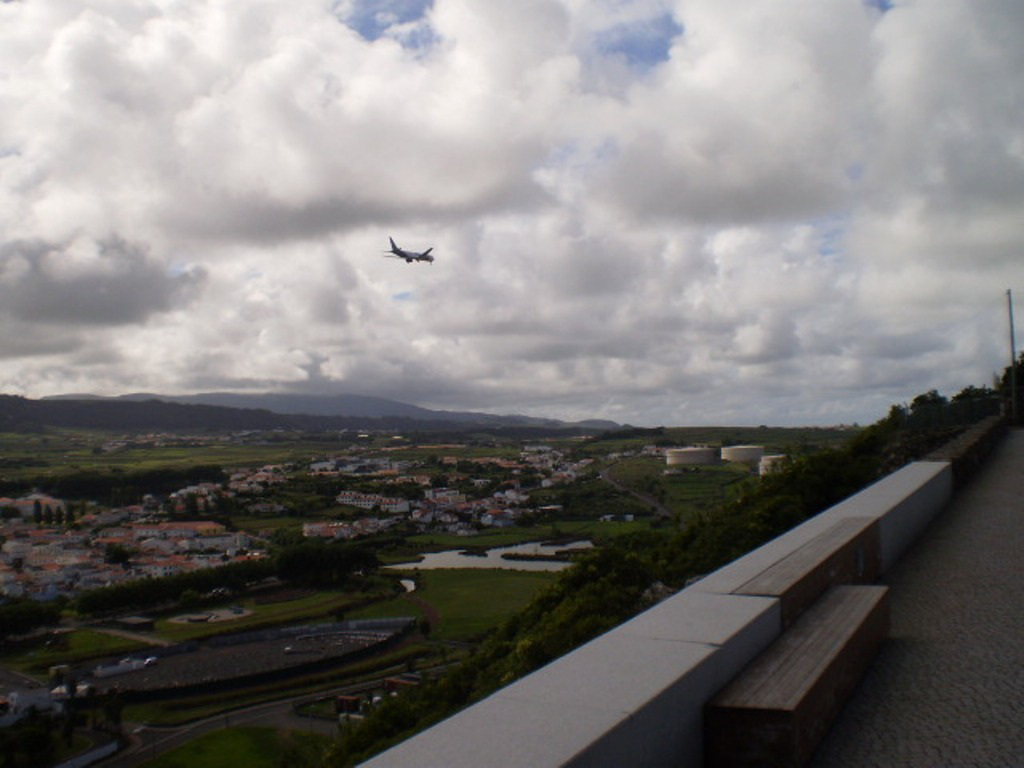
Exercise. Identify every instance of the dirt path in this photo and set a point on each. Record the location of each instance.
(429, 611)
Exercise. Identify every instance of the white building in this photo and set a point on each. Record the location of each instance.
(370, 500)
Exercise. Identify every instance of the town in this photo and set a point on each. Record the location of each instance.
(54, 546)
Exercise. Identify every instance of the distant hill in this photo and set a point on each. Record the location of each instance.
(227, 411)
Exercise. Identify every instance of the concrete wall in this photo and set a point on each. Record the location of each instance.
(635, 695)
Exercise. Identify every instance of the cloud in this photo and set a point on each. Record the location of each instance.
(657, 212)
(87, 283)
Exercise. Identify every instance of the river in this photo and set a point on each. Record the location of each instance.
(492, 558)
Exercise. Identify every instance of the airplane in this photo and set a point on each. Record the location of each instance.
(409, 256)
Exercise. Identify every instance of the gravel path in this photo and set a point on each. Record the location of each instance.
(947, 689)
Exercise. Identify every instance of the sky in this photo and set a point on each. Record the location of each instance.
(689, 212)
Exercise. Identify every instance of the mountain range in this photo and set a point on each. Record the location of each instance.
(225, 410)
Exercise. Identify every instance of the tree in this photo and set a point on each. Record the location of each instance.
(930, 398)
(116, 554)
(20, 616)
(316, 563)
(1012, 375)
(973, 393)
(287, 537)
(113, 705)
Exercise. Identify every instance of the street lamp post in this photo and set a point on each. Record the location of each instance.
(1013, 361)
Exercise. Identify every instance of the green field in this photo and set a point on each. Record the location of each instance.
(256, 524)
(468, 601)
(690, 491)
(252, 747)
(60, 452)
(790, 440)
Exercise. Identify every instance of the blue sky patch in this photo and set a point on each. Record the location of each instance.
(831, 231)
(644, 44)
(879, 5)
(373, 18)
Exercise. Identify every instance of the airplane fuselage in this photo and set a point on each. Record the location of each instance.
(410, 256)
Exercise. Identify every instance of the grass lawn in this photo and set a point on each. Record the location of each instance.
(595, 530)
(498, 537)
(468, 601)
(252, 747)
(256, 524)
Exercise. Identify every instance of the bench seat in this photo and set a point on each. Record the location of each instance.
(778, 709)
(848, 552)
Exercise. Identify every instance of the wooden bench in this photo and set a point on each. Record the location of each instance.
(848, 552)
(778, 709)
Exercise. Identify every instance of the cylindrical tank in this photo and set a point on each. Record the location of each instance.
(745, 454)
(770, 463)
(692, 456)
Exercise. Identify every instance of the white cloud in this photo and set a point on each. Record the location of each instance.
(655, 212)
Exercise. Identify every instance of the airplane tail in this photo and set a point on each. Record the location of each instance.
(426, 252)
(393, 246)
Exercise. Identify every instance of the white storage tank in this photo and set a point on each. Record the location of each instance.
(770, 463)
(692, 456)
(743, 454)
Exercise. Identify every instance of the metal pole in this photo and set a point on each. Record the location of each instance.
(1013, 361)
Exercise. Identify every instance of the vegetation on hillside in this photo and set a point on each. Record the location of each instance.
(20, 616)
